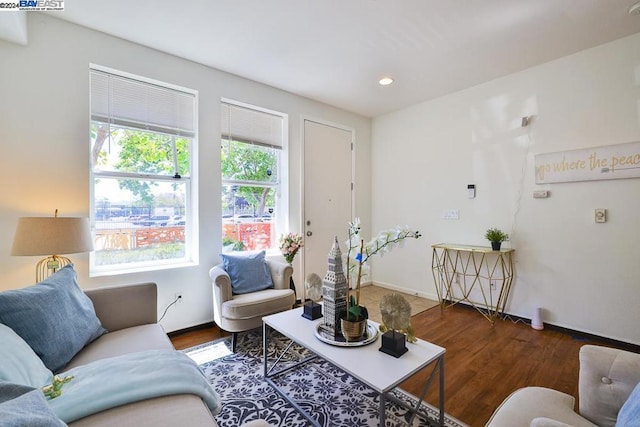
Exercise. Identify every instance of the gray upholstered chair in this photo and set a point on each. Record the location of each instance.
(241, 312)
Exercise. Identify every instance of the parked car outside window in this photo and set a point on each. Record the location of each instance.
(175, 221)
(160, 220)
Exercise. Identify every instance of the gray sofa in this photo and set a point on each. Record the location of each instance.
(607, 378)
(129, 313)
(56, 328)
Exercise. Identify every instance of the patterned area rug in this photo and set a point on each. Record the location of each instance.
(331, 396)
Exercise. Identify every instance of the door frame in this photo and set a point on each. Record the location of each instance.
(303, 119)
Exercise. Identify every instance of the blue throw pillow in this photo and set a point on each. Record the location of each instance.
(629, 415)
(248, 271)
(54, 317)
(19, 364)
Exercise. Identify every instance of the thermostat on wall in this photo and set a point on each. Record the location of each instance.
(471, 191)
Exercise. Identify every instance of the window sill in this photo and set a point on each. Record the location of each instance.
(141, 269)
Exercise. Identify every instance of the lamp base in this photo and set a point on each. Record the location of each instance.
(47, 266)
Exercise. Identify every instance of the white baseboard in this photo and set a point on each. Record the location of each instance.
(432, 296)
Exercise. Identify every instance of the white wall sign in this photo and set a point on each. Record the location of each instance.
(589, 164)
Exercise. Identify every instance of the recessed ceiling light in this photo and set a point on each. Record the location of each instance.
(635, 9)
(385, 81)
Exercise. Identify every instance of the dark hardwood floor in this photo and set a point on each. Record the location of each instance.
(483, 364)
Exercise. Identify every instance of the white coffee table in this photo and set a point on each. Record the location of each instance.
(378, 370)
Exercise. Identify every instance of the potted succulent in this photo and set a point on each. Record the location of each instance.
(496, 237)
(383, 242)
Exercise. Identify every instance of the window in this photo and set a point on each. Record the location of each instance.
(253, 164)
(143, 136)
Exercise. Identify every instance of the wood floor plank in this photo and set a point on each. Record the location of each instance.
(483, 363)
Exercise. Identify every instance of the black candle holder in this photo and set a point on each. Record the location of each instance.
(312, 310)
(393, 343)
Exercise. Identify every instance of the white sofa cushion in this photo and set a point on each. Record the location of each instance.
(526, 404)
(547, 422)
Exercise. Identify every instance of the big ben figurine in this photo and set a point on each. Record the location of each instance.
(334, 293)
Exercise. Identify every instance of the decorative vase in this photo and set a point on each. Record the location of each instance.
(496, 245)
(353, 330)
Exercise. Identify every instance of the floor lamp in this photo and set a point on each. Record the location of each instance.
(51, 236)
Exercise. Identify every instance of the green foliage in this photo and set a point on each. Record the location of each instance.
(147, 253)
(237, 245)
(356, 312)
(139, 152)
(496, 235)
(152, 153)
(250, 163)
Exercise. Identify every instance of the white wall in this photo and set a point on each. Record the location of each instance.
(586, 276)
(44, 135)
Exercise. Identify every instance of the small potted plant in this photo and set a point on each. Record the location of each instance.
(496, 237)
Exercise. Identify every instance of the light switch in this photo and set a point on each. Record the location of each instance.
(451, 214)
(601, 215)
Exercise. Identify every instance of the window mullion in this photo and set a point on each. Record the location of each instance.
(249, 183)
(139, 176)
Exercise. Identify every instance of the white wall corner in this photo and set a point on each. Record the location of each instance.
(13, 27)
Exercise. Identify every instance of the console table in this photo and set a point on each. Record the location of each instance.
(477, 275)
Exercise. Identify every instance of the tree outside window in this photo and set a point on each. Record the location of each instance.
(251, 178)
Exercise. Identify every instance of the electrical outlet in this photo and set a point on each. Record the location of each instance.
(177, 297)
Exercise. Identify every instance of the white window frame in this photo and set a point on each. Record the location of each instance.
(282, 187)
(191, 256)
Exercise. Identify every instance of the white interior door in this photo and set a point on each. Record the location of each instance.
(327, 192)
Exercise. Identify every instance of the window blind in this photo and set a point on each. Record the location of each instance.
(133, 103)
(251, 126)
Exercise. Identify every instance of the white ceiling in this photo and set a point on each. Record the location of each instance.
(335, 51)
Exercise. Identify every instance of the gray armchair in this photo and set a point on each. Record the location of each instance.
(607, 378)
(239, 313)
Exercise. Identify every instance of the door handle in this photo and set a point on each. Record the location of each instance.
(309, 234)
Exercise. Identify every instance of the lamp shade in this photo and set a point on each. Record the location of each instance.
(49, 236)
